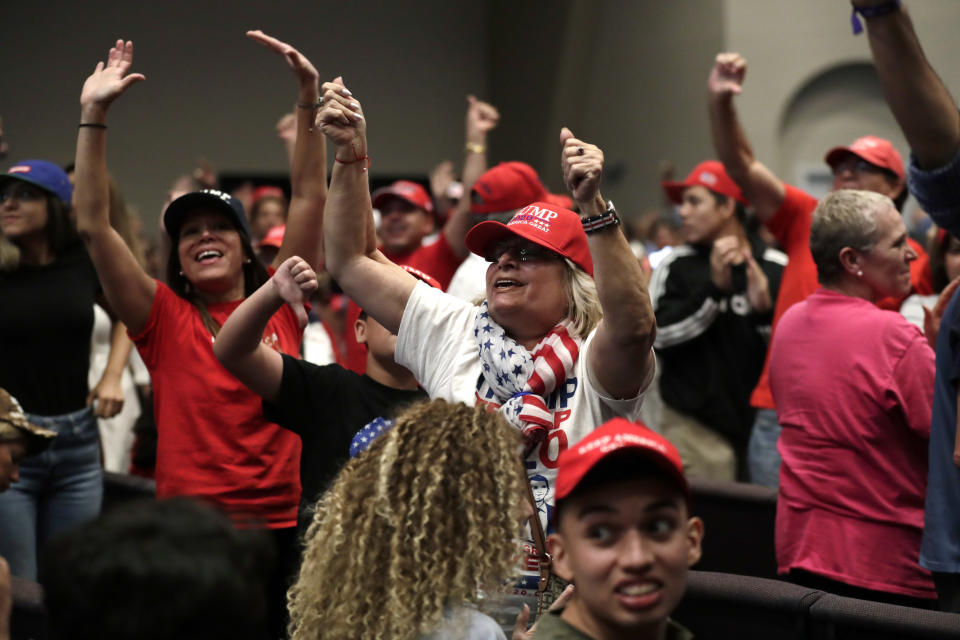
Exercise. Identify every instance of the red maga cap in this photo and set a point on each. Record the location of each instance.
(877, 151)
(506, 187)
(709, 174)
(268, 191)
(616, 435)
(412, 192)
(274, 237)
(547, 225)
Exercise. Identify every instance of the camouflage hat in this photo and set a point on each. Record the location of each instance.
(14, 426)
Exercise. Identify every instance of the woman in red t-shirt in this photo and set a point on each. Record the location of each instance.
(213, 441)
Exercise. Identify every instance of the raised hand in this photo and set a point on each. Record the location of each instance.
(582, 167)
(295, 282)
(109, 80)
(726, 77)
(302, 68)
(287, 128)
(482, 118)
(341, 117)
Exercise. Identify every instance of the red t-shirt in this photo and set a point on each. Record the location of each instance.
(213, 441)
(790, 225)
(436, 259)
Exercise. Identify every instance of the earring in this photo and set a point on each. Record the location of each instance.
(859, 274)
(247, 261)
(181, 273)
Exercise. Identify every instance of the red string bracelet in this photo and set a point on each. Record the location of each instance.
(356, 158)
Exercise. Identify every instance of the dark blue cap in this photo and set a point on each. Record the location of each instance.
(46, 175)
(212, 199)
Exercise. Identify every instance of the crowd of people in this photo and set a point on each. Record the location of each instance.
(504, 390)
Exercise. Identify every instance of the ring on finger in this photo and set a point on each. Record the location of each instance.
(580, 151)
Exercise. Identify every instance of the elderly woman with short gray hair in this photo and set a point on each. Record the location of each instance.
(853, 386)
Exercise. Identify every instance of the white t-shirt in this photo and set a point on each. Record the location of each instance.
(437, 344)
(469, 283)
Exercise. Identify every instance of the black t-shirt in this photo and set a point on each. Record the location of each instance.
(326, 406)
(46, 318)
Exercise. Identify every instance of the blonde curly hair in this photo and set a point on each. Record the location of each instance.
(412, 527)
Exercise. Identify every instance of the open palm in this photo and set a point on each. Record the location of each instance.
(111, 79)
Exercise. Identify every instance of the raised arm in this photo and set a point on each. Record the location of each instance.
(239, 346)
(481, 119)
(920, 101)
(621, 355)
(763, 189)
(126, 286)
(308, 170)
(378, 286)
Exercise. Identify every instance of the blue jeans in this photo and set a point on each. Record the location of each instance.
(763, 459)
(58, 490)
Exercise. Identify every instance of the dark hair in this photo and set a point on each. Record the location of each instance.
(739, 210)
(254, 276)
(157, 570)
(904, 192)
(61, 232)
(618, 468)
(258, 204)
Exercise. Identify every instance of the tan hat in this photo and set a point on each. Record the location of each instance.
(14, 426)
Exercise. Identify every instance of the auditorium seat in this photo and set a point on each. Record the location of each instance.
(724, 605)
(739, 521)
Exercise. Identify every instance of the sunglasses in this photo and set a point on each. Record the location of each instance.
(522, 250)
(859, 165)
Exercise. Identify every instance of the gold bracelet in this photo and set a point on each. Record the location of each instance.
(475, 147)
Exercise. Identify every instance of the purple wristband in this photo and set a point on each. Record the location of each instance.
(872, 12)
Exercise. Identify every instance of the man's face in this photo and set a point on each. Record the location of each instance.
(11, 454)
(403, 226)
(628, 547)
(853, 172)
(704, 219)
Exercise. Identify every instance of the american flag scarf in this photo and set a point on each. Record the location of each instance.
(521, 382)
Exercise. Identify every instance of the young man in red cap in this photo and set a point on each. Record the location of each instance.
(713, 297)
(624, 536)
(869, 163)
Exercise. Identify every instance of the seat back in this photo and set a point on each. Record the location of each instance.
(738, 527)
(724, 605)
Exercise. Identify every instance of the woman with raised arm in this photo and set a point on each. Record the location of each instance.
(48, 288)
(562, 342)
(214, 442)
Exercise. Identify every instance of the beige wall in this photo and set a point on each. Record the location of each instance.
(627, 74)
(209, 92)
(791, 44)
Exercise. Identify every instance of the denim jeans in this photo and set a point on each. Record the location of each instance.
(763, 459)
(58, 490)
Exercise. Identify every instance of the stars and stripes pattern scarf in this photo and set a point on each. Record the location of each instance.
(521, 381)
